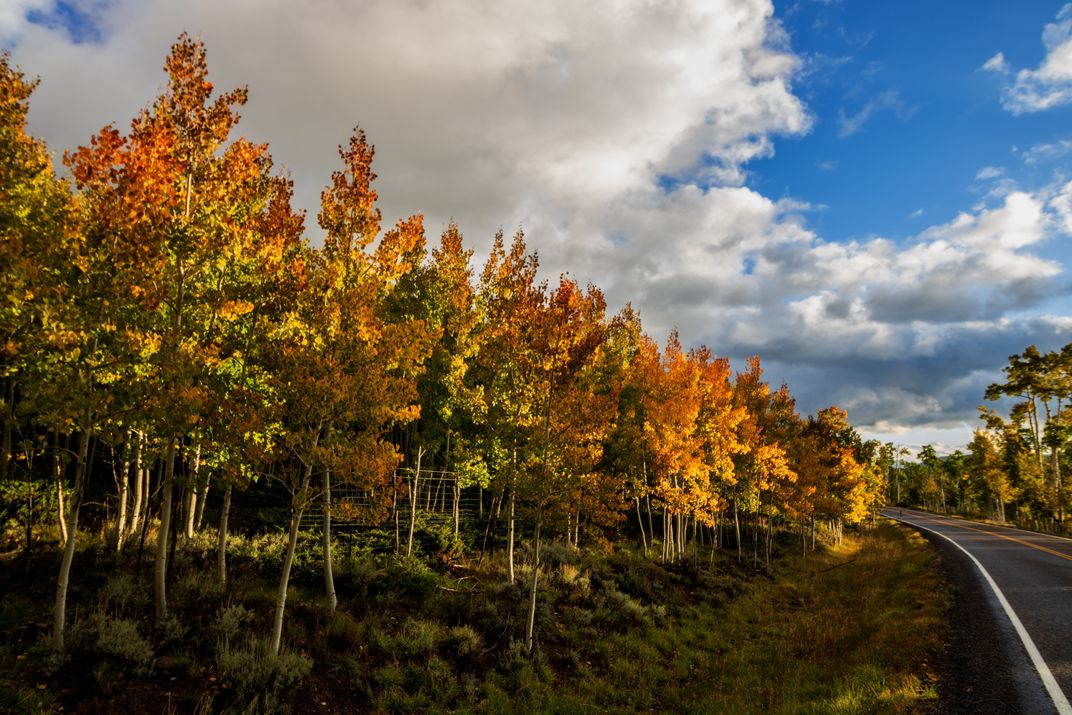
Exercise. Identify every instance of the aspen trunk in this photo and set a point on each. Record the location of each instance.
(755, 538)
(57, 473)
(640, 522)
(413, 497)
(221, 546)
(682, 531)
(296, 510)
(770, 537)
(200, 520)
(59, 613)
(9, 425)
(139, 488)
(284, 582)
(651, 528)
(737, 529)
(193, 493)
(529, 640)
(510, 537)
(123, 482)
(160, 565)
(329, 577)
(457, 506)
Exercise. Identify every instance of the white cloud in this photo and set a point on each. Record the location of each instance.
(13, 17)
(890, 100)
(1041, 153)
(989, 172)
(997, 63)
(1050, 84)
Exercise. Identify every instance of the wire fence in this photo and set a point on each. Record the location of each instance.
(435, 494)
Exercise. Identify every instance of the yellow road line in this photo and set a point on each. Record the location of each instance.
(1007, 538)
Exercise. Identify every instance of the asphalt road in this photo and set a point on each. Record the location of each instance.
(1010, 646)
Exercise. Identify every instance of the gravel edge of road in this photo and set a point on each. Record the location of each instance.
(983, 668)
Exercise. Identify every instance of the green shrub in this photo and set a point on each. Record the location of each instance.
(121, 593)
(171, 629)
(252, 669)
(343, 633)
(410, 577)
(120, 639)
(231, 621)
(196, 589)
(464, 641)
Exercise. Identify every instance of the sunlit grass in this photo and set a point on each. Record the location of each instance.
(850, 631)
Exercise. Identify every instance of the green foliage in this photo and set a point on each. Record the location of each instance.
(22, 500)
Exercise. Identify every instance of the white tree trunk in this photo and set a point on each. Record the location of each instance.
(530, 630)
(160, 565)
(413, 496)
(193, 492)
(329, 576)
(296, 512)
(221, 556)
(59, 613)
(510, 537)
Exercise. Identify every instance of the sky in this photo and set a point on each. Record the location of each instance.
(874, 196)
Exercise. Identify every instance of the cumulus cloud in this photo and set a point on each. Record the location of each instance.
(572, 121)
(493, 112)
(1050, 84)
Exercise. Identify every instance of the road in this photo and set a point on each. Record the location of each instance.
(1011, 627)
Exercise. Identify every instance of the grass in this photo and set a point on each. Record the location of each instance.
(850, 629)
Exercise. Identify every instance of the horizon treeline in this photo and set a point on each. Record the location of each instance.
(1014, 467)
(164, 310)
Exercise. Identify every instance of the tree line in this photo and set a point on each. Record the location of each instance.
(1012, 470)
(165, 313)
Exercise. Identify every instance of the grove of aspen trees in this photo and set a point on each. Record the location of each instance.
(174, 336)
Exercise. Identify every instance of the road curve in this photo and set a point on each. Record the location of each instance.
(1017, 655)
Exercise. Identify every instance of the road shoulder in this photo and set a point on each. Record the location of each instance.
(983, 668)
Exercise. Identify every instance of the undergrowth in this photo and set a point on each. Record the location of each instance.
(848, 629)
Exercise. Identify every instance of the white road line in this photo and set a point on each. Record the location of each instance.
(1058, 697)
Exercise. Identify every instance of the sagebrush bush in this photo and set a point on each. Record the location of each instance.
(231, 621)
(253, 670)
(121, 593)
(409, 576)
(119, 638)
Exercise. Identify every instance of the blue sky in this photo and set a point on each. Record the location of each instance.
(943, 124)
(874, 196)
